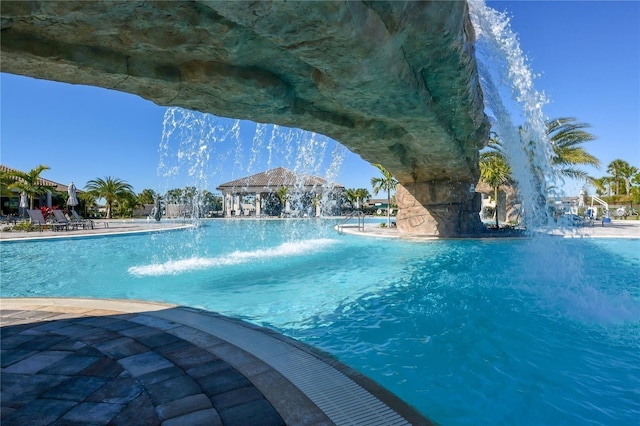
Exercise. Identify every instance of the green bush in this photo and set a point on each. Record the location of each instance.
(21, 227)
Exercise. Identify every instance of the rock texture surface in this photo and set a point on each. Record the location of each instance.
(395, 82)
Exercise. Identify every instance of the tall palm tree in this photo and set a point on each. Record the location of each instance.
(283, 194)
(385, 183)
(615, 168)
(566, 137)
(494, 169)
(28, 182)
(628, 174)
(109, 188)
(362, 195)
(350, 196)
(147, 196)
(621, 170)
(356, 195)
(603, 185)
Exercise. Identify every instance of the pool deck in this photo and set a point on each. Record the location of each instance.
(123, 362)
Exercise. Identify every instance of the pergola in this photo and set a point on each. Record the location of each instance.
(260, 195)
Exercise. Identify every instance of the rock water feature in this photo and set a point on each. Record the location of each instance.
(395, 82)
(203, 145)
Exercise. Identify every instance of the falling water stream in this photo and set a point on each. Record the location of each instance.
(205, 147)
(508, 86)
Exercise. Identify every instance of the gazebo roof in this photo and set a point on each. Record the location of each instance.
(273, 179)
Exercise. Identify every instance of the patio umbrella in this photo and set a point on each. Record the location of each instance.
(73, 199)
(24, 203)
(581, 199)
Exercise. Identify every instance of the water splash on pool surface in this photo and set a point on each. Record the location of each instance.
(288, 249)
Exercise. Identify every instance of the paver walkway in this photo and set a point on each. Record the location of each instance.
(91, 361)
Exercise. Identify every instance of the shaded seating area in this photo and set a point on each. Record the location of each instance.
(281, 192)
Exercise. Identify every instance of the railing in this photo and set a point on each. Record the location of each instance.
(356, 214)
(601, 201)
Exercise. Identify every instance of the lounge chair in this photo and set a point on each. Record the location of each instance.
(37, 218)
(61, 219)
(89, 222)
(79, 221)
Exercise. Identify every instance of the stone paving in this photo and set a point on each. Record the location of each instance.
(120, 362)
(110, 370)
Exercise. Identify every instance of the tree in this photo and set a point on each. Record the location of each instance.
(28, 182)
(635, 188)
(385, 183)
(109, 188)
(362, 195)
(88, 200)
(625, 172)
(356, 195)
(147, 196)
(283, 194)
(174, 196)
(494, 169)
(615, 168)
(603, 185)
(210, 202)
(566, 136)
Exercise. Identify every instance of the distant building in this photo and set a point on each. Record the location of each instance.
(56, 195)
(259, 195)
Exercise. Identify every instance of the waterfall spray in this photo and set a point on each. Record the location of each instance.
(202, 146)
(508, 86)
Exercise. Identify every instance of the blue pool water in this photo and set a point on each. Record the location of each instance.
(533, 331)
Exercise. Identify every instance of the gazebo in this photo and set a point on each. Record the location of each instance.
(263, 194)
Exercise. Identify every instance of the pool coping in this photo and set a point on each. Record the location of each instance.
(300, 381)
(628, 229)
(121, 228)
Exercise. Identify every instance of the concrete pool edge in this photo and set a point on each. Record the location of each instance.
(339, 392)
(119, 228)
(617, 229)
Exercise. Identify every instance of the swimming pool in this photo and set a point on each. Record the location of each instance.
(540, 331)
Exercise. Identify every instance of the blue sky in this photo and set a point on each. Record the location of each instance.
(586, 53)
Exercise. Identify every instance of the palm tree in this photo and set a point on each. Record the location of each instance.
(386, 183)
(628, 174)
(28, 182)
(283, 194)
(615, 168)
(174, 196)
(110, 188)
(88, 200)
(362, 195)
(350, 196)
(147, 196)
(566, 136)
(621, 170)
(494, 169)
(355, 195)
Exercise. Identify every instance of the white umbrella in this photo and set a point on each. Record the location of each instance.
(73, 199)
(24, 203)
(581, 199)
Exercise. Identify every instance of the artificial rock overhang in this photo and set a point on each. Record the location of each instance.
(395, 82)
